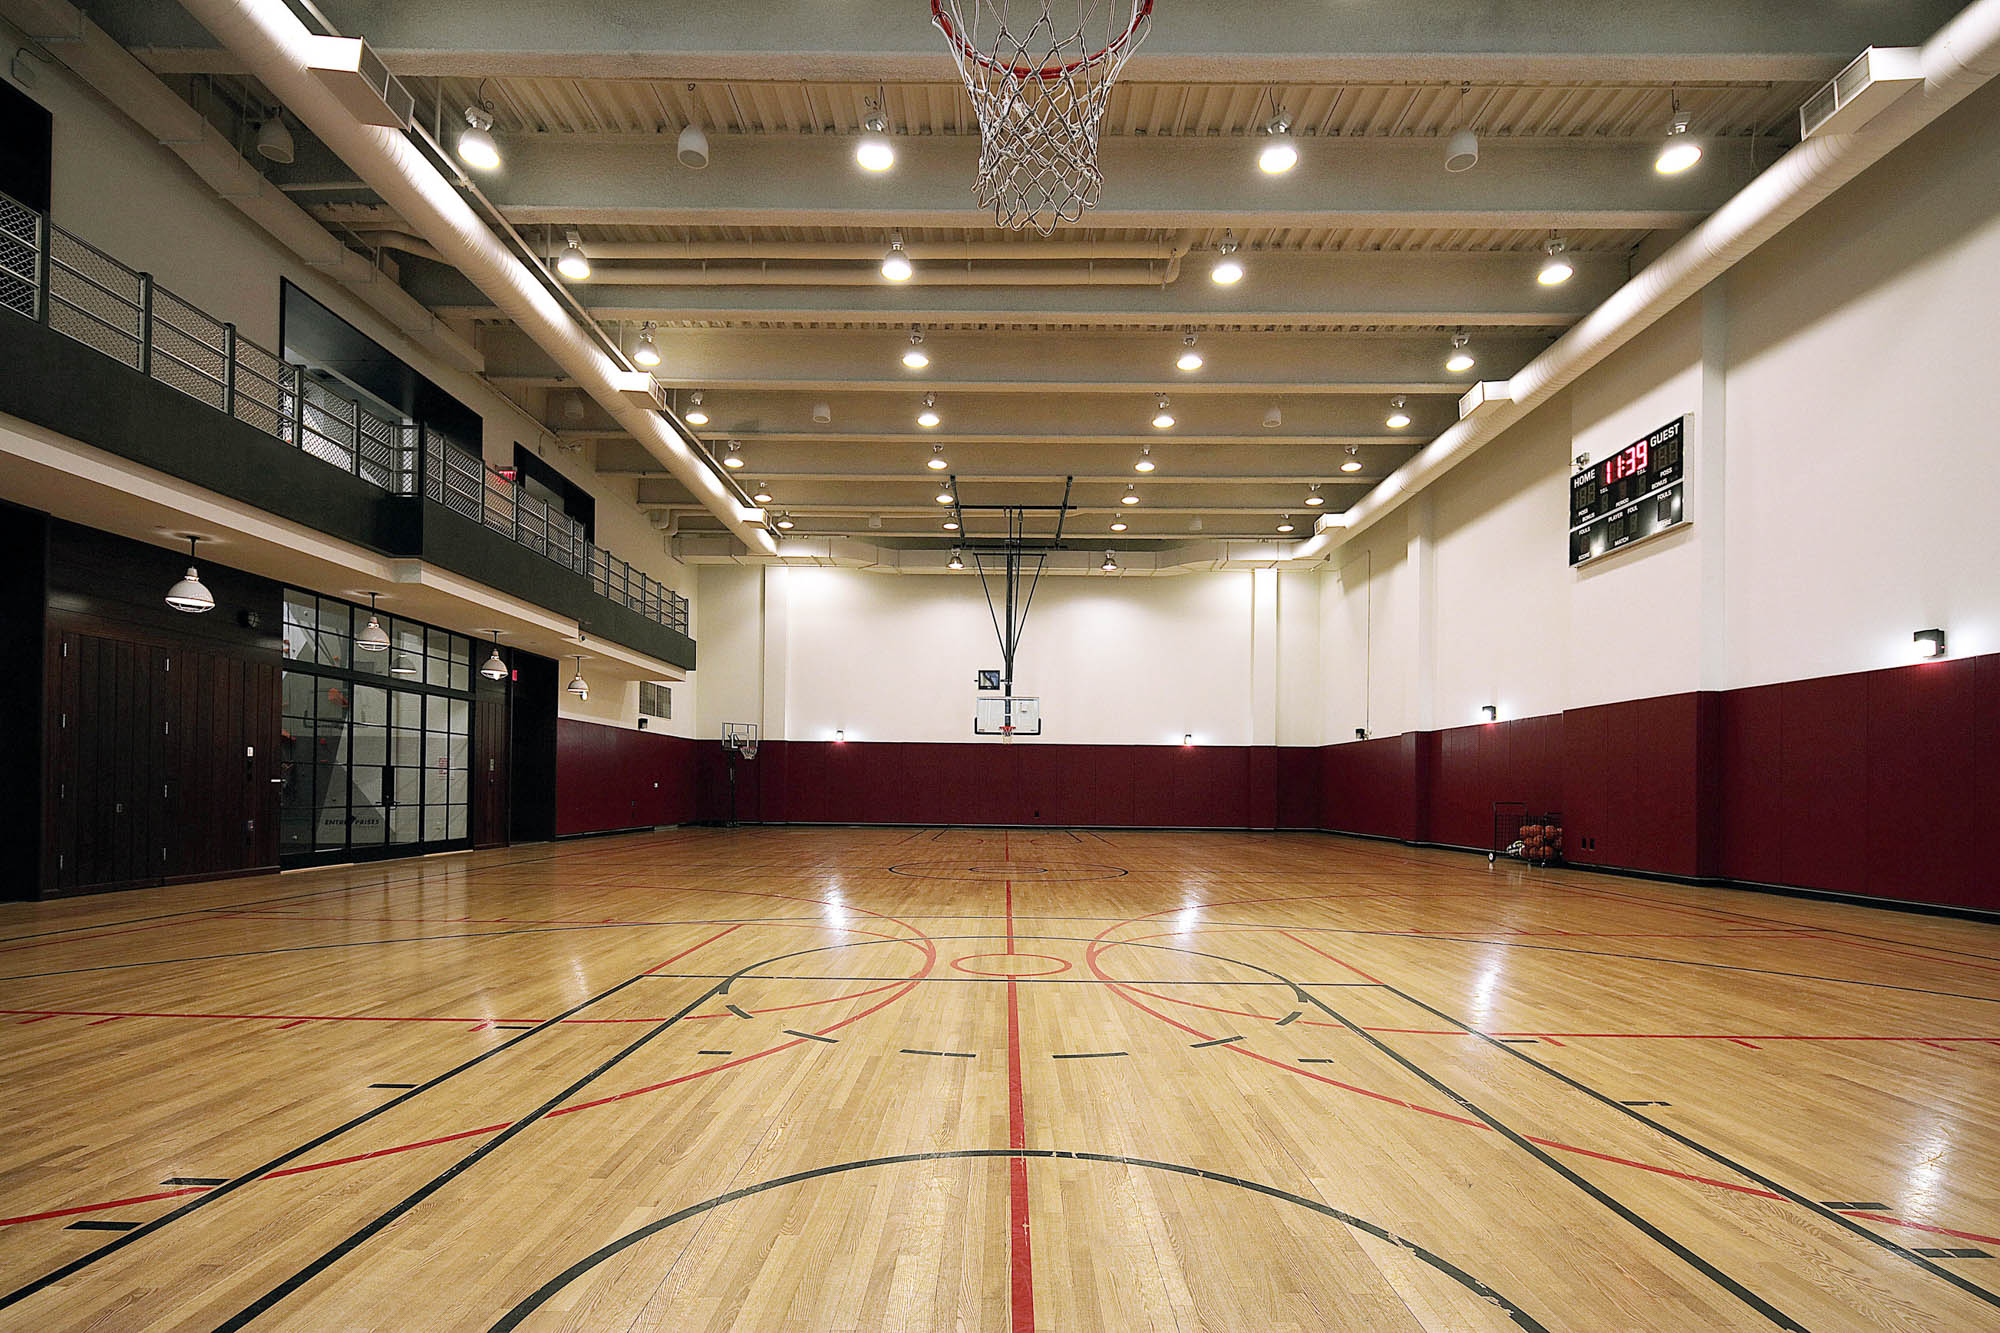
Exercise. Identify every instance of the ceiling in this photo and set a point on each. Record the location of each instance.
(1048, 356)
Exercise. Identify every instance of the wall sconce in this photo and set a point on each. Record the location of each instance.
(1491, 712)
(1361, 733)
(1930, 642)
(840, 736)
(1187, 739)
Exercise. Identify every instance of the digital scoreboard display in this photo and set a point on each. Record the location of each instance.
(1634, 493)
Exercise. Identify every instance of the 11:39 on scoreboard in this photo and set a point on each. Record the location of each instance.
(1634, 494)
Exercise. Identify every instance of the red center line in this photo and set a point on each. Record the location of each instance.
(685, 952)
(1021, 1258)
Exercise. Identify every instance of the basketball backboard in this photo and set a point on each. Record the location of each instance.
(1007, 716)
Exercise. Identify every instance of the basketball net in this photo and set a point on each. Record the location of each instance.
(1040, 88)
(1007, 734)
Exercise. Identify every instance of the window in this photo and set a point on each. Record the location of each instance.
(376, 746)
(656, 700)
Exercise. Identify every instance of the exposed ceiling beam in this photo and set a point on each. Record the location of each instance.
(900, 478)
(770, 180)
(892, 40)
(1367, 289)
(804, 360)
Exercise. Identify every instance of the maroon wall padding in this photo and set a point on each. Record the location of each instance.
(1375, 787)
(1100, 786)
(1640, 783)
(1471, 766)
(611, 778)
(1882, 783)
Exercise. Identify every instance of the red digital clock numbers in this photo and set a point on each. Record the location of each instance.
(1627, 462)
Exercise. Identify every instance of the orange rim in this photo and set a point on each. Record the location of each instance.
(1141, 11)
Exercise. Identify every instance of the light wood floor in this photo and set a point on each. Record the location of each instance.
(949, 1079)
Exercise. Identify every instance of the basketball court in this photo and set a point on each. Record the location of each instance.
(999, 665)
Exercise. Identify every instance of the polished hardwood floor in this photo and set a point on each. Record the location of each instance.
(877, 1079)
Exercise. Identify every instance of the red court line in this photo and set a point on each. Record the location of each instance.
(1100, 944)
(1020, 1246)
(685, 952)
(1330, 958)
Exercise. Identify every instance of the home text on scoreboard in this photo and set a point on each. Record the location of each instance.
(1632, 495)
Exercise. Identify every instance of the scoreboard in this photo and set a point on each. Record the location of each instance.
(1633, 494)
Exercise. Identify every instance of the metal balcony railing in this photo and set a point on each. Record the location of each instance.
(57, 279)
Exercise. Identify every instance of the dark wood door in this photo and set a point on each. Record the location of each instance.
(159, 763)
(491, 766)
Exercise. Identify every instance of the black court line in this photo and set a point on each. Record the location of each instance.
(730, 1007)
(397, 1086)
(195, 1180)
(1847, 1224)
(1930, 1253)
(1318, 1060)
(316, 948)
(810, 1036)
(1088, 1055)
(1290, 1018)
(91, 1224)
(955, 1055)
(1519, 1041)
(1856, 1207)
(1653, 1104)
(541, 1295)
(512, 1027)
(76, 1265)
(715, 1052)
(398, 882)
(479, 1154)
(1630, 1215)
(1219, 1041)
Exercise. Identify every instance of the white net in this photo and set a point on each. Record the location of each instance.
(1040, 73)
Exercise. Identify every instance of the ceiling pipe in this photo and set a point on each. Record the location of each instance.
(871, 252)
(999, 275)
(96, 58)
(276, 48)
(1958, 59)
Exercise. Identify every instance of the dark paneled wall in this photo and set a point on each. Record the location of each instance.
(24, 537)
(161, 728)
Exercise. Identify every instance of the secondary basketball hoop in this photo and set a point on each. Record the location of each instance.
(1040, 85)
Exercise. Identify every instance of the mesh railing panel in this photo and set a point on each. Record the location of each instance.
(264, 388)
(327, 426)
(20, 258)
(190, 350)
(95, 299)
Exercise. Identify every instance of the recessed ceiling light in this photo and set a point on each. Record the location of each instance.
(1461, 358)
(695, 416)
(1163, 419)
(647, 353)
(1228, 269)
(476, 147)
(1681, 149)
(1190, 359)
(1556, 269)
(896, 265)
(914, 356)
(1399, 417)
(1119, 525)
(572, 263)
(874, 151)
(1279, 154)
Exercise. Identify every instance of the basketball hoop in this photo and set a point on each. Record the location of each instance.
(1040, 93)
(1007, 735)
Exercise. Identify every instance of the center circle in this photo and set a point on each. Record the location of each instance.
(1060, 965)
